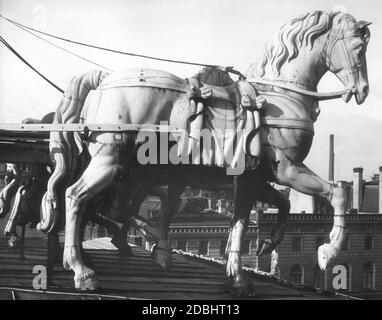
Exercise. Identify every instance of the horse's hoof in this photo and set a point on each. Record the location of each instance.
(243, 287)
(326, 255)
(162, 257)
(14, 243)
(86, 281)
(266, 247)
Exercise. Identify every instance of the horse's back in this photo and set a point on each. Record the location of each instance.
(138, 96)
(145, 78)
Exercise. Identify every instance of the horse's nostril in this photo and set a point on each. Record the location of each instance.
(366, 90)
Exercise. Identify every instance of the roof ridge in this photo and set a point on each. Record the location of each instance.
(269, 276)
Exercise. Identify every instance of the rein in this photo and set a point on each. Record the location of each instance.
(315, 95)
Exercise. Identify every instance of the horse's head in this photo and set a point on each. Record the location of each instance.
(345, 54)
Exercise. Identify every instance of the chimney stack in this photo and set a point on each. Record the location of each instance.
(380, 190)
(357, 188)
(222, 206)
(331, 158)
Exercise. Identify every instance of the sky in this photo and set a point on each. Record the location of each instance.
(220, 32)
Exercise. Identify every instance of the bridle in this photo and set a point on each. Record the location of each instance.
(330, 43)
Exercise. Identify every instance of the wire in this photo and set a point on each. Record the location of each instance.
(107, 49)
(29, 65)
(66, 50)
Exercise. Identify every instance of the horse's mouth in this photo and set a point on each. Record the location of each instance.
(360, 96)
(347, 96)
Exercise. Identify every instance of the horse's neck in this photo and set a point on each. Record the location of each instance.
(305, 72)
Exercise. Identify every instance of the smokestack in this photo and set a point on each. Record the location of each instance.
(331, 158)
(380, 190)
(357, 188)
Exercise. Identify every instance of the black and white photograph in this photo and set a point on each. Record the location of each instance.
(204, 152)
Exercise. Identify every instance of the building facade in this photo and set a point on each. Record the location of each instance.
(297, 253)
(207, 233)
(308, 227)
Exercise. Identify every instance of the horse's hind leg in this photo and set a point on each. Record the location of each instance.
(100, 174)
(169, 204)
(302, 179)
(243, 185)
(119, 238)
(272, 196)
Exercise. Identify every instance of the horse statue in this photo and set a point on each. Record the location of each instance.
(25, 208)
(12, 180)
(286, 75)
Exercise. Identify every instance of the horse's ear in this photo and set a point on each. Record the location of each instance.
(362, 26)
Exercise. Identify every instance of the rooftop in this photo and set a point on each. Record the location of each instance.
(137, 277)
(350, 218)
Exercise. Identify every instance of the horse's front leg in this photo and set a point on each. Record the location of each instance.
(299, 177)
(272, 196)
(242, 208)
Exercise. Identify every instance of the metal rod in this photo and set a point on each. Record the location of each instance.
(78, 127)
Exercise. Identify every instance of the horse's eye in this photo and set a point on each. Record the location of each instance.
(361, 51)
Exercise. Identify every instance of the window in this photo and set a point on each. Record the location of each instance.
(346, 244)
(203, 247)
(138, 241)
(296, 274)
(223, 245)
(297, 244)
(245, 247)
(319, 241)
(368, 276)
(154, 214)
(101, 232)
(369, 243)
(181, 245)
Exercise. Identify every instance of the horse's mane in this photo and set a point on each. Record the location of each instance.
(299, 32)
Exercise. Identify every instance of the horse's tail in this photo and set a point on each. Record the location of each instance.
(66, 147)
